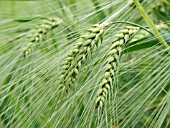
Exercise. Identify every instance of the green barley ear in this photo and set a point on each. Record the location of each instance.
(75, 59)
(37, 34)
(112, 59)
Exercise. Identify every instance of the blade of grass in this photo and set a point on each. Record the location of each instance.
(152, 26)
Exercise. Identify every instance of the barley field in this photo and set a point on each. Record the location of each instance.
(85, 64)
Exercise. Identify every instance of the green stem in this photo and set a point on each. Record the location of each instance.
(131, 23)
(154, 30)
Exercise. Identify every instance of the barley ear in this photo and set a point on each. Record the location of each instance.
(38, 33)
(76, 58)
(112, 59)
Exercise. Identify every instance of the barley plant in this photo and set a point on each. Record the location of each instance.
(85, 64)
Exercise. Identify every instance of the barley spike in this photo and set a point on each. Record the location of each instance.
(79, 54)
(111, 64)
(37, 34)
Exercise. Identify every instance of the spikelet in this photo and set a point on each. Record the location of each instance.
(111, 64)
(78, 55)
(37, 34)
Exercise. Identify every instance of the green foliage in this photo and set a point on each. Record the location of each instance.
(136, 88)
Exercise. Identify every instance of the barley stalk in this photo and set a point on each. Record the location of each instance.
(151, 25)
(144, 33)
(111, 64)
(38, 33)
(78, 55)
